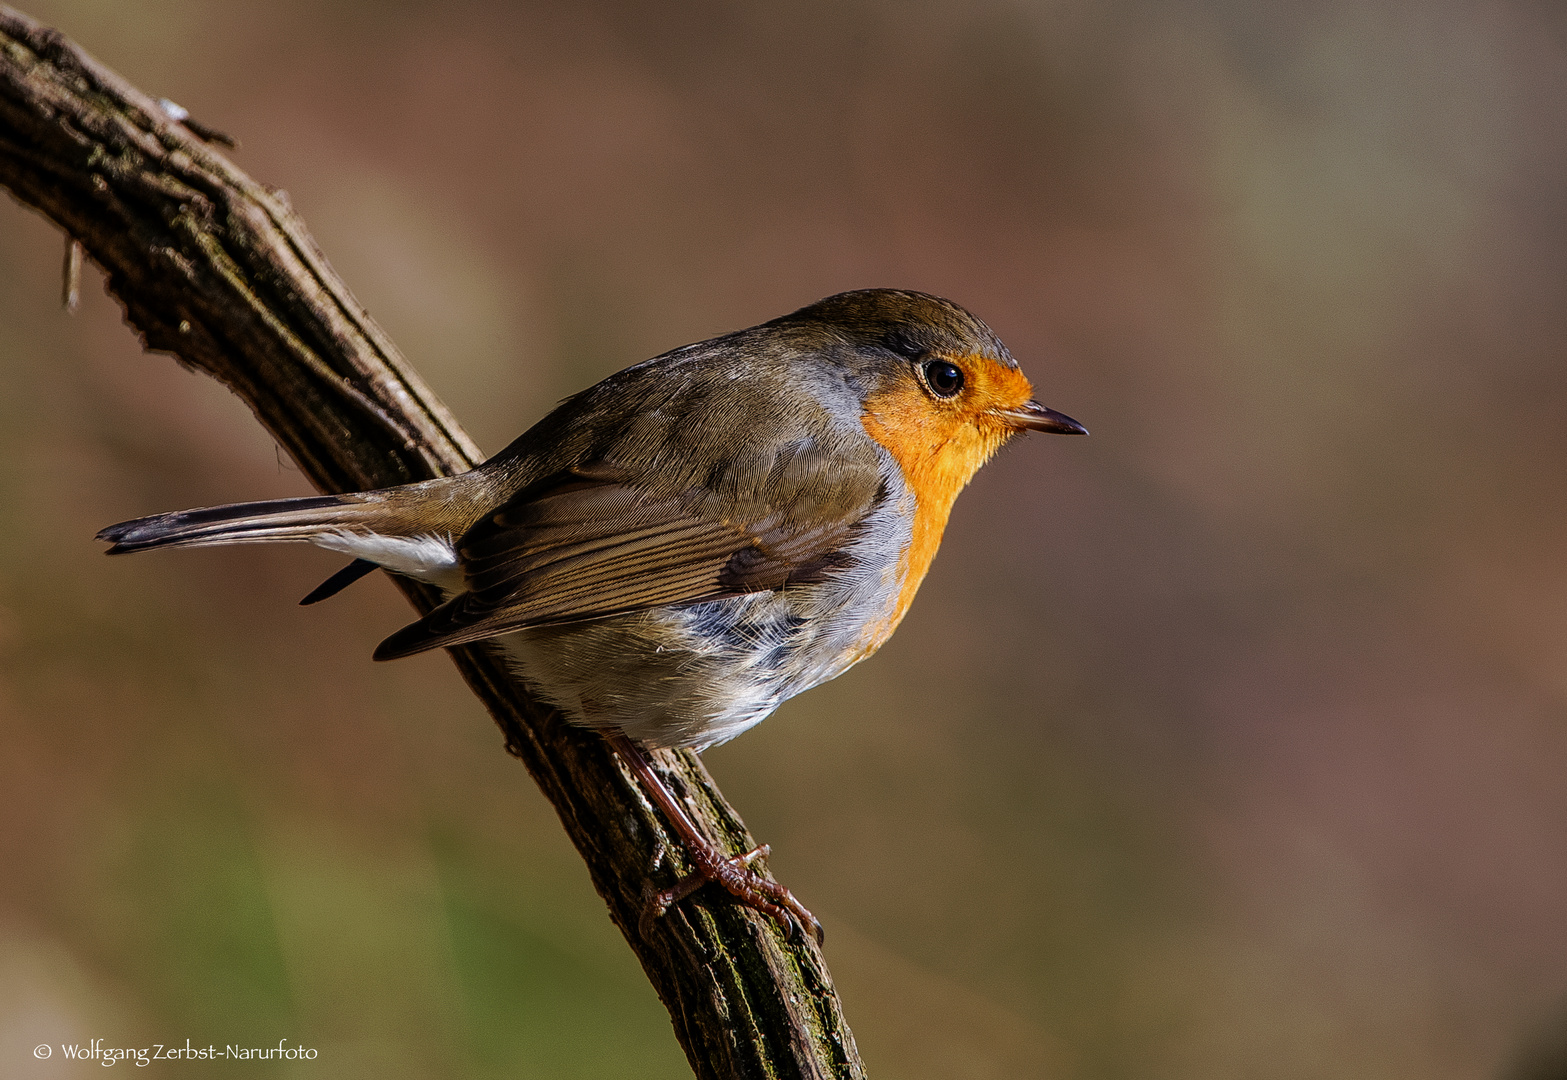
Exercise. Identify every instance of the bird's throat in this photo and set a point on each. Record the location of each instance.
(938, 456)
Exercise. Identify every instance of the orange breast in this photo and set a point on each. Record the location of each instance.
(939, 448)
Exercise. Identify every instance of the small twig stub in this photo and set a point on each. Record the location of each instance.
(71, 275)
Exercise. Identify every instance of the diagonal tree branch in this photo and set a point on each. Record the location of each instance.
(214, 269)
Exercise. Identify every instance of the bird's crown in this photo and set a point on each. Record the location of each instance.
(907, 324)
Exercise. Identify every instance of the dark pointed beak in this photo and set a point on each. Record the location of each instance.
(1035, 417)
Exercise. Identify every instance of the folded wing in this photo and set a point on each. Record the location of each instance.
(591, 542)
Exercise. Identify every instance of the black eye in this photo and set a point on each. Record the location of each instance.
(944, 379)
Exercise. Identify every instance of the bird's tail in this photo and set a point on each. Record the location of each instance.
(378, 528)
(306, 519)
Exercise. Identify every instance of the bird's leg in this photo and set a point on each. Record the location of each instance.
(734, 873)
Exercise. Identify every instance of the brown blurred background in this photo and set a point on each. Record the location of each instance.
(1228, 743)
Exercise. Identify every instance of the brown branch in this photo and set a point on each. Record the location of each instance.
(213, 268)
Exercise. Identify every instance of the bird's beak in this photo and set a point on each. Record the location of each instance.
(1032, 416)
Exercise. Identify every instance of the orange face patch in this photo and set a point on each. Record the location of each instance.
(940, 444)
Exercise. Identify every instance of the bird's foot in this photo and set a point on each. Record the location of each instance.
(734, 873)
(743, 883)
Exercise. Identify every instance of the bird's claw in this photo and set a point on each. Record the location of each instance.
(743, 883)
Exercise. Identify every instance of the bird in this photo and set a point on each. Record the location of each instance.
(670, 554)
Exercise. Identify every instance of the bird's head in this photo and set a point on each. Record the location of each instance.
(939, 390)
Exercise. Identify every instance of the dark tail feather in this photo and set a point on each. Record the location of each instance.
(240, 523)
(339, 581)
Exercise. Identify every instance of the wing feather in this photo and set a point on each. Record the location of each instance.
(591, 542)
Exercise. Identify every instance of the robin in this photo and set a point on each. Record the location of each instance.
(672, 553)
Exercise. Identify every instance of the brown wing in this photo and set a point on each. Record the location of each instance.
(590, 543)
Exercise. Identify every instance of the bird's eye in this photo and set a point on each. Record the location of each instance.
(944, 379)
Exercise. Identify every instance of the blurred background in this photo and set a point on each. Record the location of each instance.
(1229, 742)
